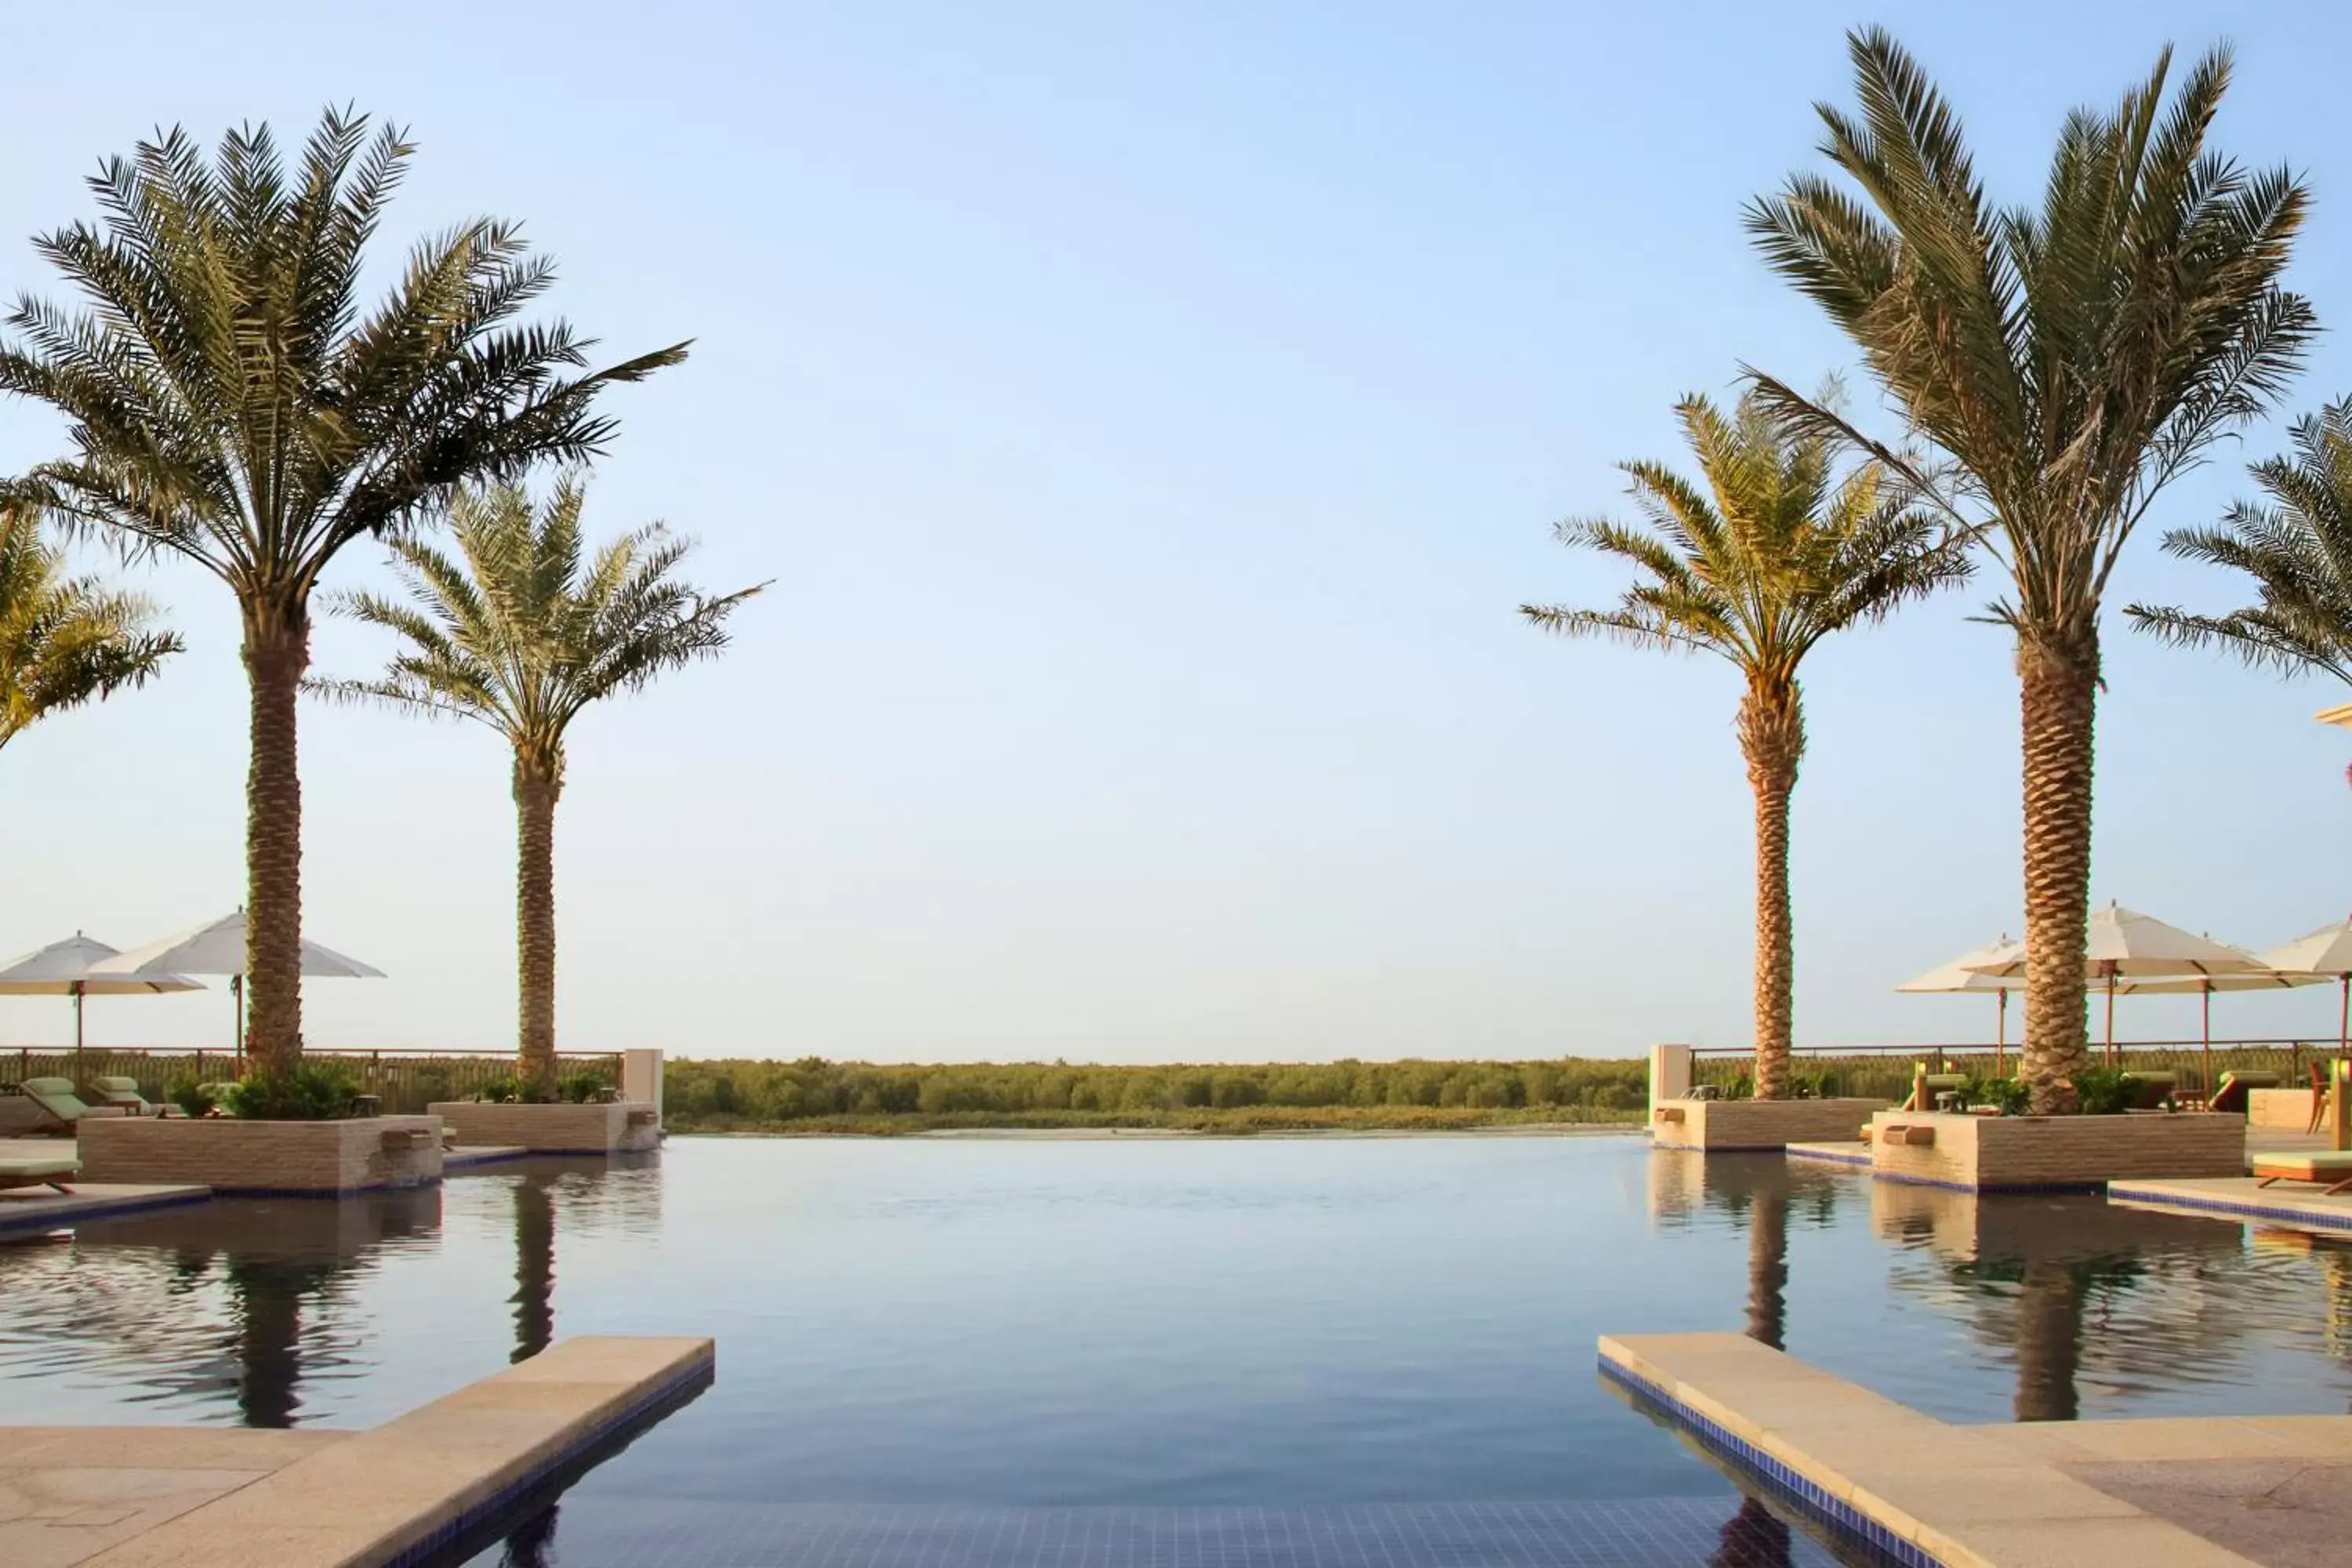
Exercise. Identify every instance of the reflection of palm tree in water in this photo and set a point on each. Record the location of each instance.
(531, 1543)
(534, 1297)
(2049, 1341)
(268, 1294)
(1755, 1537)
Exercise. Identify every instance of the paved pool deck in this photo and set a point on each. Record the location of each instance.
(2238, 1492)
(149, 1497)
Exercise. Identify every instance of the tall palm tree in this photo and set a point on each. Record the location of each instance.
(1774, 554)
(521, 637)
(228, 400)
(63, 640)
(2298, 551)
(2066, 363)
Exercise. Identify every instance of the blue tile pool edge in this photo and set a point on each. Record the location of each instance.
(2229, 1207)
(9, 1223)
(1839, 1517)
(583, 1452)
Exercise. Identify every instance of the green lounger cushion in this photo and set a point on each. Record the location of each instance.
(120, 1092)
(55, 1096)
(38, 1170)
(2308, 1161)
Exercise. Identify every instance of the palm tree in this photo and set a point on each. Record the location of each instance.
(63, 640)
(1773, 555)
(2066, 363)
(228, 400)
(521, 637)
(2298, 551)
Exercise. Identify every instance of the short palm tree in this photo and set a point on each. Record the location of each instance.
(228, 400)
(63, 640)
(2067, 362)
(2298, 551)
(520, 635)
(1774, 554)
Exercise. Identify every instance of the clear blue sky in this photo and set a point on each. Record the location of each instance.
(1151, 416)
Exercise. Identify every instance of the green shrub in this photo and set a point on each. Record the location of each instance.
(2105, 1091)
(315, 1092)
(579, 1088)
(2005, 1095)
(499, 1091)
(193, 1099)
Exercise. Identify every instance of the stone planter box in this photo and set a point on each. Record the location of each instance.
(1722, 1126)
(231, 1155)
(2285, 1109)
(1994, 1153)
(626, 1127)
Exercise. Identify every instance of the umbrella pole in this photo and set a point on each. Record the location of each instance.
(2207, 994)
(2001, 1034)
(81, 1083)
(2344, 1033)
(237, 1000)
(2111, 1018)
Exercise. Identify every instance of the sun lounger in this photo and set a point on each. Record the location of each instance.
(39, 1174)
(2330, 1166)
(56, 1101)
(1926, 1086)
(2151, 1090)
(2231, 1093)
(123, 1093)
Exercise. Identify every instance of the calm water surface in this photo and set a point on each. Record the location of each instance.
(1271, 1323)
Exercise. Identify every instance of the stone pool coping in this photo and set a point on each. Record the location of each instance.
(22, 1210)
(1935, 1495)
(388, 1497)
(2241, 1197)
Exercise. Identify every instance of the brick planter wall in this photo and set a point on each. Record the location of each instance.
(231, 1155)
(629, 1126)
(1990, 1152)
(1723, 1125)
(2289, 1109)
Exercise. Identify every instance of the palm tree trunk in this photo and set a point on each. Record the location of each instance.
(277, 652)
(1772, 738)
(2059, 698)
(536, 787)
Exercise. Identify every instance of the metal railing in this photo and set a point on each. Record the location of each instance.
(1884, 1071)
(405, 1080)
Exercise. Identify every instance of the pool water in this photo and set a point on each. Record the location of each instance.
(971, 1351)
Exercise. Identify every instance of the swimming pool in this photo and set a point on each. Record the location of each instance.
(1332, 1350)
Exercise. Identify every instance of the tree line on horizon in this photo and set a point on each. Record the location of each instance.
(759, 1092)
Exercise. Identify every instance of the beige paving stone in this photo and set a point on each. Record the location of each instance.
(2140, 1543)
(161, 1447)
(598, 1358)
(2154, 1438)
(188, 1543)
(1912, 1502)
(368, 1495)
(2314, 1434)
(52, 1518)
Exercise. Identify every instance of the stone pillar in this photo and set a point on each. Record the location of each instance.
(641, 1078)
(1670, 1073)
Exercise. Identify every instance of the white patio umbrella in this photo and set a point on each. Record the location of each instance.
(2204, 985)
(219, 949)
(1957, 976)
(2325, 954)
(62, 969)
(2126, 945)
